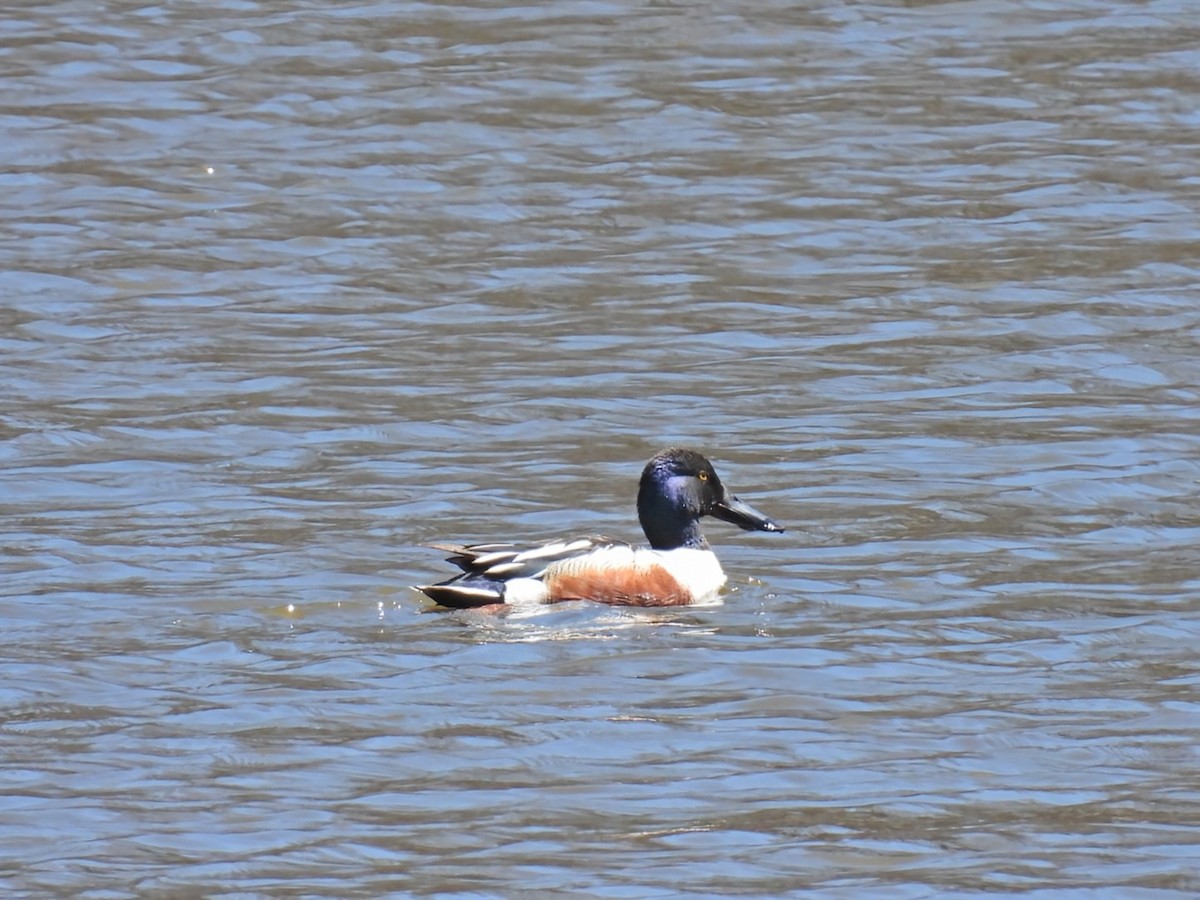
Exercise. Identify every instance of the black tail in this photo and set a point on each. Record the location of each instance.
(461, 593)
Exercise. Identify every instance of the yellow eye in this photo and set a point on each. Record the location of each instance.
(703, 476)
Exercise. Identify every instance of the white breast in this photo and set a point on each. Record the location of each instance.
(699, 571)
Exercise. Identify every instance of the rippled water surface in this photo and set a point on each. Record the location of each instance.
(290, 289)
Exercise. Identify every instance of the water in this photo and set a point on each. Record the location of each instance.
(290, 289)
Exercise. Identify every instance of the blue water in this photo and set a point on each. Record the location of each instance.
(291, 291)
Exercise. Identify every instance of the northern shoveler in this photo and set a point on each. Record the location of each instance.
(677, 488)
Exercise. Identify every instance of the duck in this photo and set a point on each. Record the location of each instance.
(678, 487)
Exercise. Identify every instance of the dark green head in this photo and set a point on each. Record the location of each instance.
(680, 486)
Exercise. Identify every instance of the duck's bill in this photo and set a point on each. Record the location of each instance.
(743, 515)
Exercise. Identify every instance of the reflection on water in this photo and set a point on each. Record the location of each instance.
(290, 292)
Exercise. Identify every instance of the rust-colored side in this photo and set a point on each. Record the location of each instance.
(639, 586)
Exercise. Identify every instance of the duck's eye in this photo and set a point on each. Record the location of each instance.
(703, 476)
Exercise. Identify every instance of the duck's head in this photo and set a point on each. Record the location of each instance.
(678, 487)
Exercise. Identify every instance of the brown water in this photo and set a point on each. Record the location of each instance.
(288, 289)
